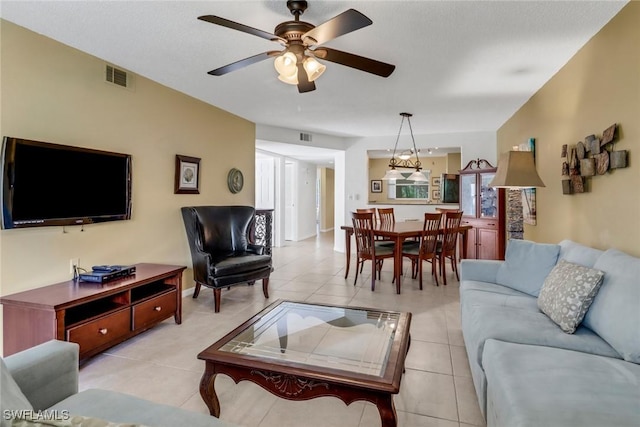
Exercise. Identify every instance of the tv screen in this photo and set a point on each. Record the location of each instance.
(46, 184)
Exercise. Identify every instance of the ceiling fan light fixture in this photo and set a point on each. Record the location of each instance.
(286, 65)
(292, 80)
(313, 67)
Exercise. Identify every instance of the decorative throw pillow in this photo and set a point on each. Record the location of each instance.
(567, 293)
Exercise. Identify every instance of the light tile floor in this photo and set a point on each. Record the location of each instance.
(436, 390)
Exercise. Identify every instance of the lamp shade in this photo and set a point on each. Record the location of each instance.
(313, 68)
(286, 64)
(392, 174)
(516, 169)
(418, 177)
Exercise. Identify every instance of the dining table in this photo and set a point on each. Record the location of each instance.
(398, 232)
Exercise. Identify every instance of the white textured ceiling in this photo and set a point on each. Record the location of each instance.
(460, 65)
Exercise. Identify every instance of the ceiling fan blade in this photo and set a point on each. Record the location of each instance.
(242, 63)
(241, 27)
(337, 26)
(304, 85)
(355, 61)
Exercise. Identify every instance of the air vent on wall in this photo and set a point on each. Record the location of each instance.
(305, 137)
(117, 76)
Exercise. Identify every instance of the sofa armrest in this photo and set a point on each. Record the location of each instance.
(481, 270)
(46, 373)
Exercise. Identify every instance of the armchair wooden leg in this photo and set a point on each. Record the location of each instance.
(265, 287)
(217, 296)
(196, 292)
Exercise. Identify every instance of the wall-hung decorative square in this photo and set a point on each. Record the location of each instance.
(187, 180)
(376, 186)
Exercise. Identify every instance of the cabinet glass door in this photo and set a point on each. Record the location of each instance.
(488, 197)
(468, 190)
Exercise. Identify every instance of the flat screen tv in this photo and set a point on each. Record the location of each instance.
(45, 184)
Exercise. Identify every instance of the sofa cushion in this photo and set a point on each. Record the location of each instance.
(542, 386)
(123, 408)
(578, 254)
(567, 293)
(526, 265)
(615, 312)
(494, 311)
(11, 397)
(71, 421)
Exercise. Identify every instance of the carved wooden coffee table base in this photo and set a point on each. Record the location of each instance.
(308, 363)
(293, 387)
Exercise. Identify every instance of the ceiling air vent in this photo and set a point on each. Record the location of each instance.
(306, 137)
(117, 76)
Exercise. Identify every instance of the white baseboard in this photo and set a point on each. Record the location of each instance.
(188, 292)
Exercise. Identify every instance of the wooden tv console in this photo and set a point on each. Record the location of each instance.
(94, 315)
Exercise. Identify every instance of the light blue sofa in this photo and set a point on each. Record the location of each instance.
(525, 369)
(44, 379)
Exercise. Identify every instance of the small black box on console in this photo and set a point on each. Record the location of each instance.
(104, 273)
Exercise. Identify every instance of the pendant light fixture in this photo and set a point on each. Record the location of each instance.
(403, 162)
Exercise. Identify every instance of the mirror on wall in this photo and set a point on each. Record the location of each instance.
(439, 164)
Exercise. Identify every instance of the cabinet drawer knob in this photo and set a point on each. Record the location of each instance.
(157, 308)
(491, 224)
(103, 331)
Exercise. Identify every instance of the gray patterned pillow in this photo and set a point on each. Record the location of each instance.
(567, 293)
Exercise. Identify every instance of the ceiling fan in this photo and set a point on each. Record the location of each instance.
(297, 62)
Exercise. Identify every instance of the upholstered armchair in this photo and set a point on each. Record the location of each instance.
(221, 249)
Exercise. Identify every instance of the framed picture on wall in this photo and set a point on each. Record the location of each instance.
(376, 186)
(187, 179)
(435, 181)
(435, 194)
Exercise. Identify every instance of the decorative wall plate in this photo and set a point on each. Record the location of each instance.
(235, 180)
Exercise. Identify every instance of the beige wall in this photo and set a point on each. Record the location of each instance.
(454, 162)
(599, 86)
(327, 195)
(51, 92)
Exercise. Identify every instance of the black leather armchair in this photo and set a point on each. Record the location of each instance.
(221, 251)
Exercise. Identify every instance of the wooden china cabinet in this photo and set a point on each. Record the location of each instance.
(483, 208)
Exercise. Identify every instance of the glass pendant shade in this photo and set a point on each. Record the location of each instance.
(286, 65)
(418, 177)
(293, 80)
(313, 68)
(392, 174)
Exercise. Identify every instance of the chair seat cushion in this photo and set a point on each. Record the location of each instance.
(240, 263)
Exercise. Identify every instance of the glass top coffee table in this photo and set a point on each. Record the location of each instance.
(299, 351)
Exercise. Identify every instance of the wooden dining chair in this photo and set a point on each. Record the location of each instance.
(445, 210)
(368, 210)
(427, 249)
(386, 215)
(447, 246)
(367, 248)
